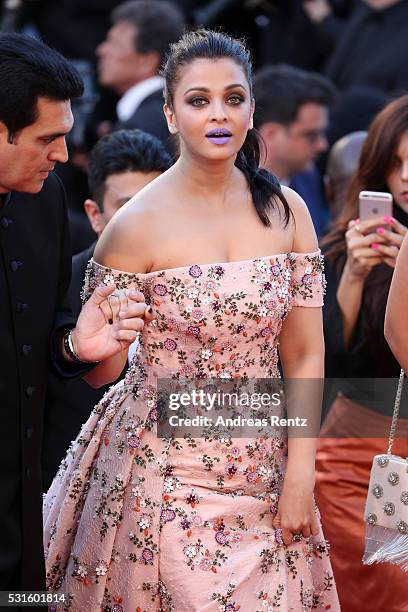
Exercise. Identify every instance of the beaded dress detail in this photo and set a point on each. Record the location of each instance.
(133, 522)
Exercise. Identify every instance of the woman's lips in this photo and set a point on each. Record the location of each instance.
(219, 140)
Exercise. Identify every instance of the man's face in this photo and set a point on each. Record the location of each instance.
(119, 188)
(303, 140)
(120, 65)
(26, 162)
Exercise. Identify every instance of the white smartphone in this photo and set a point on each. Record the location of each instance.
(374, 205)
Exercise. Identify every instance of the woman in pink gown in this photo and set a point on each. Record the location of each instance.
(137, 522)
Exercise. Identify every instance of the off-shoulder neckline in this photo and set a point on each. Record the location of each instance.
(208, 265)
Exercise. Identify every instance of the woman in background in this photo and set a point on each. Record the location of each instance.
(360, 261)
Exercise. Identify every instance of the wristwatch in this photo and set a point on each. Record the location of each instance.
(69, 349)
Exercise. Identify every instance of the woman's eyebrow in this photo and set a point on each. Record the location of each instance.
(206, 90)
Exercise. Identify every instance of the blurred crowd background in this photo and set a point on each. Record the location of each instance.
(360, 46)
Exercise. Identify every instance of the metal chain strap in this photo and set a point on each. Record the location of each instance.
(397, 404)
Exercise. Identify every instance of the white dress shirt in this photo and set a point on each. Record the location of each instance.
(133, 97)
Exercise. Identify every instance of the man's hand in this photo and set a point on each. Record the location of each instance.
(109, 322)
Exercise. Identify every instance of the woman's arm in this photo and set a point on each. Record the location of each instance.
(396, 328)
(301, 351)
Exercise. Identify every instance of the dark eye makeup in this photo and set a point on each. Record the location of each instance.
(198, 101)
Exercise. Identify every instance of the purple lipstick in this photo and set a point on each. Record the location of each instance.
(219, 136)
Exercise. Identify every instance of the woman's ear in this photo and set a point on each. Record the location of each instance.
(171, 119)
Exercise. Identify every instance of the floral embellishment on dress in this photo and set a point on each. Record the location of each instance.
(167, 515)
(108, 279)
(147, 555)
(160, 289)
(101, 569)
(134, 441)
(170, 344)
(192, 498)
(193, 330)
(216, 272)
(221, 537)
(195, 271)
(197, 314)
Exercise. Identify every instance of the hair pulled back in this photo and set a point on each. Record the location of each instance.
(207, 44)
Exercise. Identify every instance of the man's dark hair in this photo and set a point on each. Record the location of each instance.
(158, 24)
(280, 91)
(124, 151)
(29, 70)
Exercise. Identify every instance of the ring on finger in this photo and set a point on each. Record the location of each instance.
(297, 537)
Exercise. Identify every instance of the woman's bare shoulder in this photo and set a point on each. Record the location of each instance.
(305, 239)
(128, 241)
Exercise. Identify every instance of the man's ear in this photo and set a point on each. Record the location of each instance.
(171, 119)
(271, 131)
(94, 215)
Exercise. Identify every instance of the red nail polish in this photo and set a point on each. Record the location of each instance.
(375, 245)
(380, 230)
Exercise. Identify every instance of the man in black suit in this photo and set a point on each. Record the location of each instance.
(120, 165)
(37, 329)
(130, 59)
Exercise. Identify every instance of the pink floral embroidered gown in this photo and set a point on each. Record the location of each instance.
(135, 524)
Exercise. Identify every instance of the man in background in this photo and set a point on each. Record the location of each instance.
(121, 164)
(292, 116)
(130, 58)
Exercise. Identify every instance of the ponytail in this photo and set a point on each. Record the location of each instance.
(264, 186)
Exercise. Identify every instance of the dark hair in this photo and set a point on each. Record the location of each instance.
(122, 151)
(29, 70)
(375, 163)
(206, 44)
(281, 90)
(158, 24)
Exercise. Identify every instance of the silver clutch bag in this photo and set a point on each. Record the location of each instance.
(386, 511)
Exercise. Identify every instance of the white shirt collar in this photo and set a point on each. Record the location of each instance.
(133, 97)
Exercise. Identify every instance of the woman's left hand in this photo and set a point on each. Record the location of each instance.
(296, 514)
(394, 237)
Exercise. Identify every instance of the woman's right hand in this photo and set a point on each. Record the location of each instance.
(362, 243)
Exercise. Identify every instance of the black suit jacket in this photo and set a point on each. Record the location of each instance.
(372, 50)
(69, 402)
(149, 117)
(35, 269)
